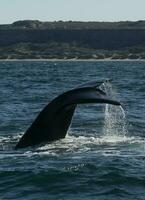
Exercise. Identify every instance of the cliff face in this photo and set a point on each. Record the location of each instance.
(33, 38)
(98, 39)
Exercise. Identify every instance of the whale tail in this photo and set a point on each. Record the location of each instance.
(54, 120)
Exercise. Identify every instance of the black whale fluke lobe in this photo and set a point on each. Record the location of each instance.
(54, 120)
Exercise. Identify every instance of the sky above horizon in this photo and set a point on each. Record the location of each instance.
(75, 10)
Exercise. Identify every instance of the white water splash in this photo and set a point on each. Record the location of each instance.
(115, 119)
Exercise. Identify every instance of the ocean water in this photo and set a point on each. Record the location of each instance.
(103, 154)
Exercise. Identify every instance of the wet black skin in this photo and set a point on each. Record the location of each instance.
(54, 120)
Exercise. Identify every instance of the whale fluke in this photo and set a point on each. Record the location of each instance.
(54, 120)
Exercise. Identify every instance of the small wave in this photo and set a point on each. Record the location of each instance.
(8, 142)
(73, 145)
(81, 144)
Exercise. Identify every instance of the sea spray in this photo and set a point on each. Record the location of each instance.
(115, 119)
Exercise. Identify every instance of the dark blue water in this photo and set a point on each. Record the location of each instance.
(87, 164)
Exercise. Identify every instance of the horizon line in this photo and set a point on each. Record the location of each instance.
(83, 21)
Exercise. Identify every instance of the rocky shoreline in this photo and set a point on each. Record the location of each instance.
(72, 40)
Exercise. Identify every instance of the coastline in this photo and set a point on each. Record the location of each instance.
(71, 60)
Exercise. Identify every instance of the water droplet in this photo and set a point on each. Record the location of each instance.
(115, 119)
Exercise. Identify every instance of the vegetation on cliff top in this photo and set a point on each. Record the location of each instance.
(35, 24)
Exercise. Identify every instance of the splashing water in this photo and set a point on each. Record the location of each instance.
(115, 119)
